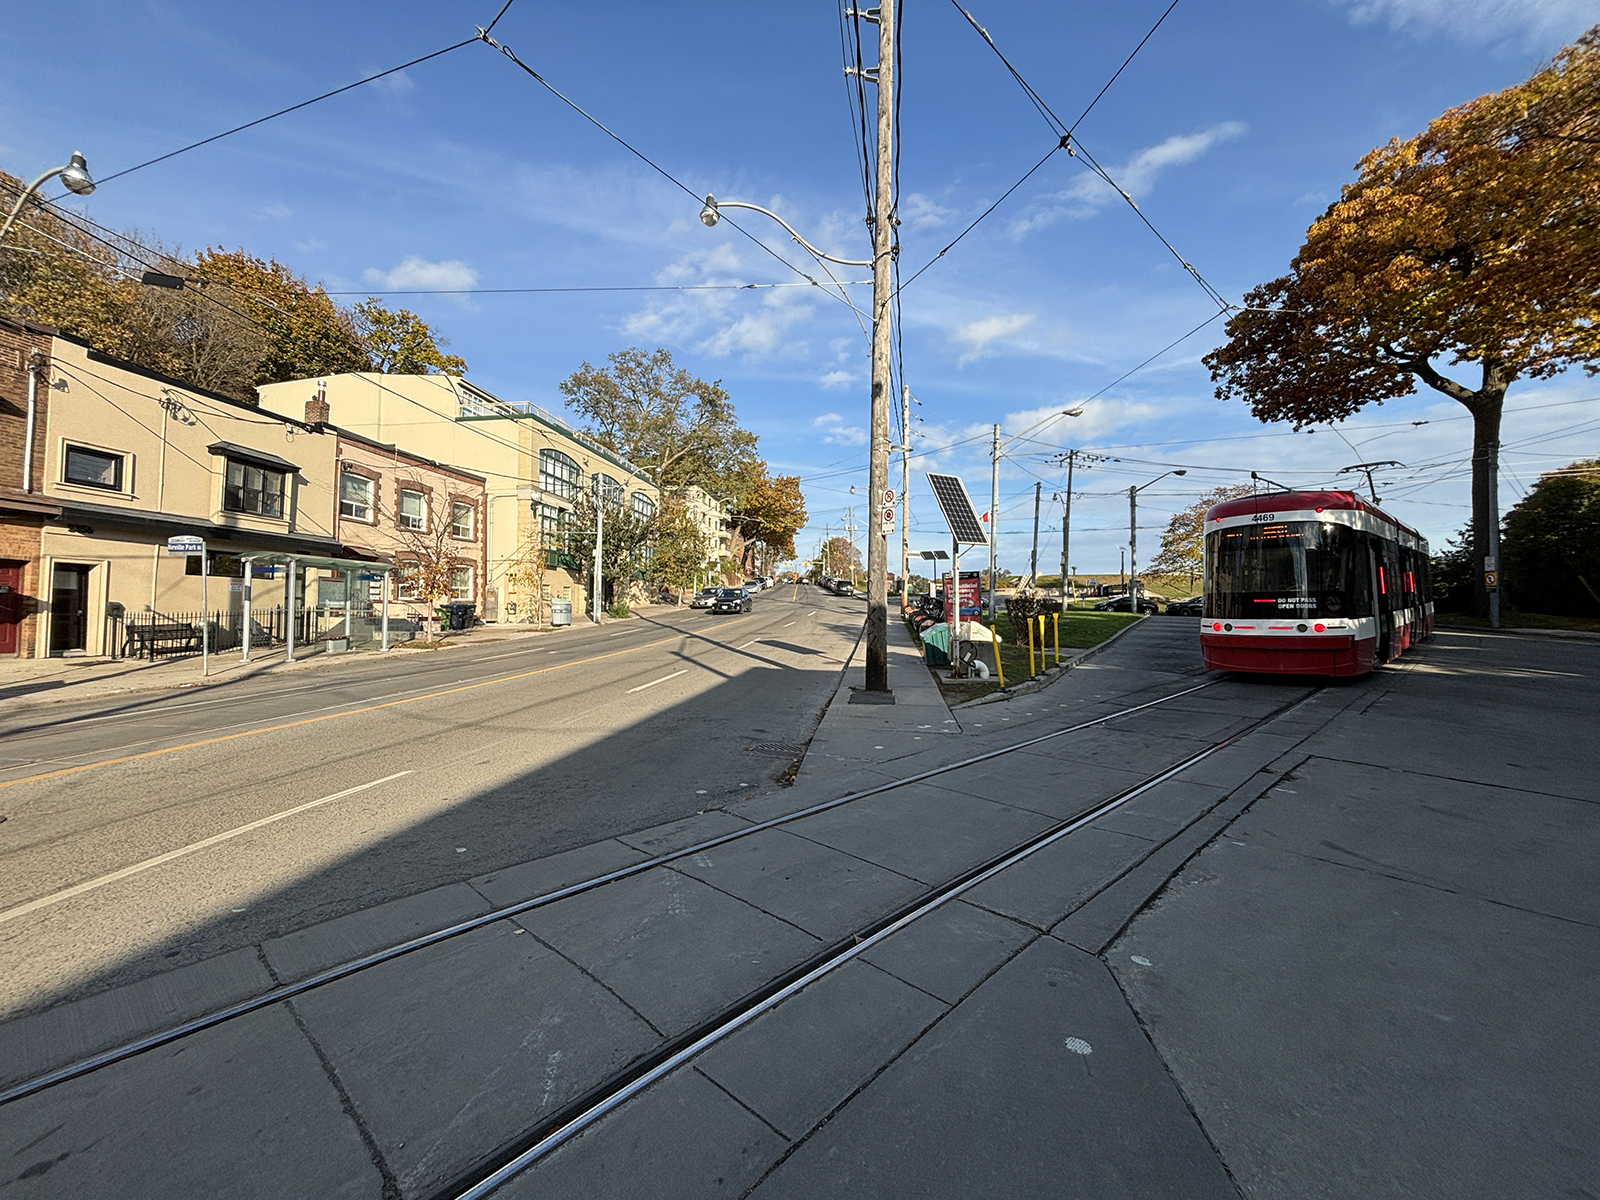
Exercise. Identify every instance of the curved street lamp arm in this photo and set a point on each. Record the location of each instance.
(26, 192)
(714, 204)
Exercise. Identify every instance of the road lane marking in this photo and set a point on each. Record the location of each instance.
(91, 884)
(677, 635)
(747, 645)
(786, 625)
(663, 679)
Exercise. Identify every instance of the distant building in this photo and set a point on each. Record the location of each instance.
(710, 516)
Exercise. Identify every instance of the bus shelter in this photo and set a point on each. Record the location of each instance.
(291, 565)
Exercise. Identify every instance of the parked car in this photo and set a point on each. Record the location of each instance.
(1124, 604)
(1194, 606)
(843, 587)
(732, 600)
(704, 598)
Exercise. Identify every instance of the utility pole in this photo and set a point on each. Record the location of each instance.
(994, 513)
(1066, 526)
(905, 495)
(599, 526)
(883, 245)
(850, 529)
(1033, 563)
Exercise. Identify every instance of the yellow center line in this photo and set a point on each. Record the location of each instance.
(351, 712)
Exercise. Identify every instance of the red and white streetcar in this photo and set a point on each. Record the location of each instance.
(1311, 583)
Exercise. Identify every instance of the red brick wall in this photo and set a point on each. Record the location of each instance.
(16, 342)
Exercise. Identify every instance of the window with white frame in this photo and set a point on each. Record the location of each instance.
(559, 474)
(461, 583)
(413, 510)
(643, 507)
(355, 496)
(92, 468)
(552, 527)
(461, 519)
(611, 491)
(408, 582)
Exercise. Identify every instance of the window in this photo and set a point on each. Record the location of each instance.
(253, 489)
(413, 510)
(408, 581)
(643, 506)
(552, 527)
(355, 497)
(461, 516)
(94, 468)
(610, 490)
(461, 583)
(559, 474)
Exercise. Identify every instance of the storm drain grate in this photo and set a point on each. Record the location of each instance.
(776, 749)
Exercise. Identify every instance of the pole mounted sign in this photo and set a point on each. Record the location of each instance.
(186, 544)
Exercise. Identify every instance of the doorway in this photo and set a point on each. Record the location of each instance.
(10, 606)
(69, 608)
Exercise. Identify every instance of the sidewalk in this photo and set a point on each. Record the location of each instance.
(1348, 954)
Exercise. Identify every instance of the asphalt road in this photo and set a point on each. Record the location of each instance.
(143, 833)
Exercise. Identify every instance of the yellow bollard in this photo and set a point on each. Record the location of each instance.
(1056, 617)
(1041, 643)
(1030, 649)
(998, 669)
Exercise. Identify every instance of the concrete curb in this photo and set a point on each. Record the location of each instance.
(1575, 635)
(1039, 682)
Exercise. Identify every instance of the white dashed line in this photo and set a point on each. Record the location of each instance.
(663, 679)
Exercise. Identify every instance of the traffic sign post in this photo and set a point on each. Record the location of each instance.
(186, 545)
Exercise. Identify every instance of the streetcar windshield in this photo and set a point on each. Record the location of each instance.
(1287, 569)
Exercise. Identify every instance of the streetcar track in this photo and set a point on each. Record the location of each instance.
(511, 1159)
(329, 975)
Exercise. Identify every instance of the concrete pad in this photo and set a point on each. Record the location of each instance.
(1344, 1033)
(927, 833)
(41, 1041)
(948, 952)
(1044, 887)
(1059, 790)
(1108, 746)
(824, 891)
(451, 1051)
(797, 1063)
(674, 948)
(524, 881)
(318, 947)
(683, 1138)
(675, 835)
(1535, 852)
(243, 1110)
(1163, 810)
(993, 1102)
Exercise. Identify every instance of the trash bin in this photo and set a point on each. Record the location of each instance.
(459, 614)
(561, 612)
(934, 656)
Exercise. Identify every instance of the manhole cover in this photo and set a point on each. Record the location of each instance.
(776, 749)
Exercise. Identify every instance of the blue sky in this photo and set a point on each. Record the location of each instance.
(1233, 128)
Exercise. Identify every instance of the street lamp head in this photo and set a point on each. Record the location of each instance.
(709, 215)
(1180, 472)
(1074, 412)
(76, 175)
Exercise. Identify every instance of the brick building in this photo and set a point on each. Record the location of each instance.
(24, 406)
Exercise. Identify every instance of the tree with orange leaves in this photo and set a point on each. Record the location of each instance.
(1475, 243)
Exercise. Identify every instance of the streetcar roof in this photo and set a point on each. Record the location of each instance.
(1287, 502)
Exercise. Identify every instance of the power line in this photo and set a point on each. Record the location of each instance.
(521, 291)
(285, 111)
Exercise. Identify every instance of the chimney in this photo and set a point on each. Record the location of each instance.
(317, 407)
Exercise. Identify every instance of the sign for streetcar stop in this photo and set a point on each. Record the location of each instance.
(185, 544)
(887, 521)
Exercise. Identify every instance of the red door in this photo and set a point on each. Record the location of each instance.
(10, 605)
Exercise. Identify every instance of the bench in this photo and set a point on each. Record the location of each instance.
(149, 640)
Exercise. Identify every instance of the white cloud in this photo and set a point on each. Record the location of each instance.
(837, 379)
(397, 84)
(414, 272)
(1088, 193)
(918, 212)
(274, 212)
(1526, 22)
(836, 433)
(978, 336)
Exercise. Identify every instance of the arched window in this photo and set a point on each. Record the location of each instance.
(643, 507)
(611, 490)
(559, 474)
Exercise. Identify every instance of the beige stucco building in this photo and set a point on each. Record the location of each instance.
(534, 467)
(131, 458)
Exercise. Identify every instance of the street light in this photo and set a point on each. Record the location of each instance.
(75, 176)
(712, 213)
(1133, 538)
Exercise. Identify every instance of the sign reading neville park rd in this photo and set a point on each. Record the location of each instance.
(186, 544)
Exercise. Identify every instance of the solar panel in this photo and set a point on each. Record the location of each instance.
(956, 505)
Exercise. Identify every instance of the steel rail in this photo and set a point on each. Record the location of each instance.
(289, 991)
(494, 1171)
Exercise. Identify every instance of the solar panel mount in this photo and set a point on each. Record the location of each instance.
(956, 505)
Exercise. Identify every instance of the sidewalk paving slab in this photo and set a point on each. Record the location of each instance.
(455, 1049)
(524, 881)
(685, 831)
(242, 1110)
(948, 952)
(329, 943)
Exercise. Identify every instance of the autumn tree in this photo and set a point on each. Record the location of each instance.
(402, 343)
(625, 542)
(1474, 244)
(769, 515)
(1550, 554)
(427, 556)
(840, 558)
(677, 427)
(1183, 543)
(680, 546)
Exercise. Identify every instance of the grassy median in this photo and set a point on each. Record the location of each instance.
(1079, 631)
